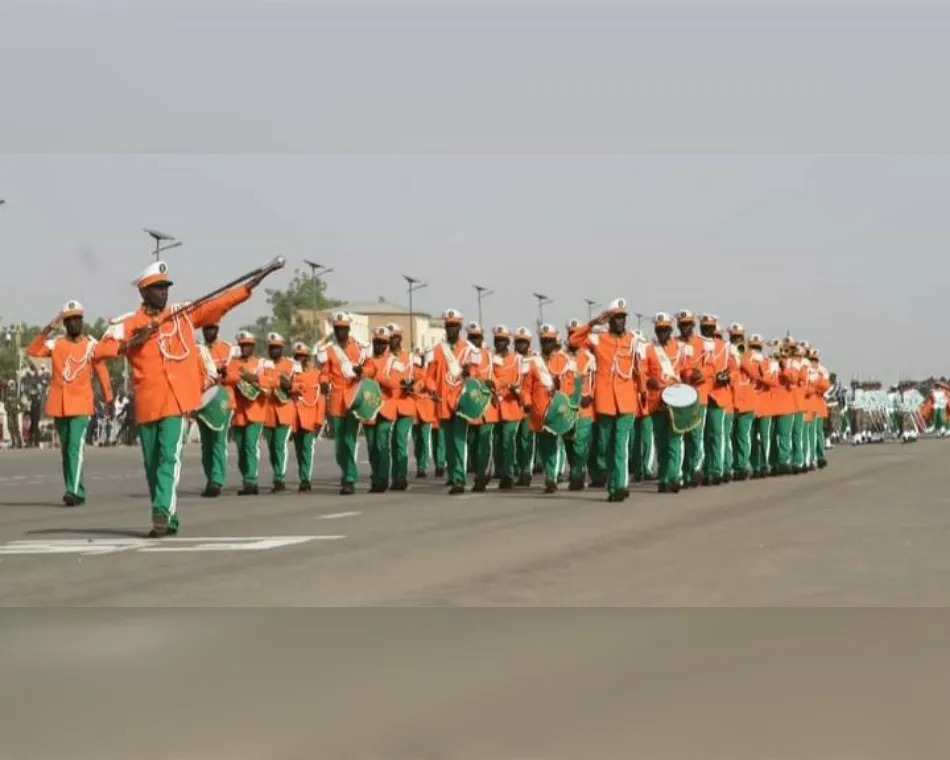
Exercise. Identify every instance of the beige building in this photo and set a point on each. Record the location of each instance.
(368, 315)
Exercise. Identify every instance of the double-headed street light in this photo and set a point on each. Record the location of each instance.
(413, 285)
(316, 270)
(482, 292)
(543, 301)
(160, 238)
(591, 305)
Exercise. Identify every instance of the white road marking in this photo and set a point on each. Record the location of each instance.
(338, 515)
(102, 546)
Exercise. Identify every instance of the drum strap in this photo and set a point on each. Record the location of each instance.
(211, 368)
(455, 369)
(346, 366)
(544, 373)
(665, 364)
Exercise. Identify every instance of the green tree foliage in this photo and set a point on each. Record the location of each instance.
(286, 305)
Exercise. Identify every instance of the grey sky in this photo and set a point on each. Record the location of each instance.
(672, 157)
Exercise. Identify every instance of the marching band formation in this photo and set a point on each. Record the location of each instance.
(594, 405)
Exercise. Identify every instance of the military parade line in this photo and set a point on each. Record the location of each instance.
(599, 401)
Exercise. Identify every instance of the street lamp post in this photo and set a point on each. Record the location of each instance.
(160, 238)
(482, 292)
(315, 271)
(639, 317)
(591, 305)
(413, 285)
(543, 301)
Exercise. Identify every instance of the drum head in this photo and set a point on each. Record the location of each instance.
(680, 396)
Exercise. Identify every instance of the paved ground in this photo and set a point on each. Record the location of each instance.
(518, 684)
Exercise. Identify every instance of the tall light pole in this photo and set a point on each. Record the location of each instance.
(591, 305)
(316, 270)
(639, 317)
(543, 301)
(413, 285)
(163, 242)
(482, 292)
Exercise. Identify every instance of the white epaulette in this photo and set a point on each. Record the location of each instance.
(297, 367)
(120, 320)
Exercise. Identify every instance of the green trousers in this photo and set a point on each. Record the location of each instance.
(730, 455)
(578, 448)
(762, 446)
(455, 429)
(714, 442)
(597, 459)
(346, 432)
(304, 441)
(615, 430)
(524, 449)
(379, 443)
(644, 448)
(161, 442)
(808, 442)
(819, 440)
(742, 442)
(549, 455)
(422, 445)
(695, 453)
(247, 439)
(472, 442)
(214, 453)
(782, 440)
(439, 453)
(503, 448)
(72, 445)
(798, 439)
(669, 450)
(940, 420)
(399, 447)
(481, 443)
(278, 441)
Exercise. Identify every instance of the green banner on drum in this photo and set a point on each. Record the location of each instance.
(215, 411)
(367, 401)
(474, 400)
(682, 404)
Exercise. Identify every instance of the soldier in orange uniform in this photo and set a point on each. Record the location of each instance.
(70, 401)
(697, 371)
(166, 376)
(765, 375)
(341, 360)
(278, 425)
(379, 431)
(718, 424)
(214, 443)
(744, 398)
(551, 371)
(663, 366)
(247, 375)
(309, 413)
(445, 375)
(401, 381)
(578, 445)
(822, 386)
(506, 407)
(617, 388)
(480, 431)
(427, 421)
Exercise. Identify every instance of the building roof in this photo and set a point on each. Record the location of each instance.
(380, 306)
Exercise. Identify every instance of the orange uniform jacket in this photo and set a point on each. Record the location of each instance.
(221, 353)
(766, 384)
(332, 372)
(666, 373)
(783, 395)
(822, 386)
(696, 356)
(617, 380)
(480, 368)
(310, 406)
(506, 370)
(277, 413)
(70, 388)
(396, 369)
(744, 395)
(721, 359)
(799, 381)
(425, 406)
(372, 369)
(585, 365)
(539, 384)
(247, 412)
(166, 368)
(439, 378)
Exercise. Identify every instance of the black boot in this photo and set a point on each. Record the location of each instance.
(550, 486)
(304, 486)
(456, 490)
(347, 489)
(278, 487)
(506, 484)
(481, 485)
(576, 484)
(249, 489)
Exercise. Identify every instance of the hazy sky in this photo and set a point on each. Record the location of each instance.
(786, 168)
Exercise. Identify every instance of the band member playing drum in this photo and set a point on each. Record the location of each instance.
(214, 439)
(526, 441)
(399, 384)
(341, 366)
(481, 429)
(506, 371)
(166, 374)
(663, 368)
(445, 376)
(765, 371)
(280, 409)
(697, 371)
(550, 372)
(424, 432)
(71, 401)
(379, 430)
(616, 390)
(744, 401)
(309, 413)
(246, 373)
(578, 447)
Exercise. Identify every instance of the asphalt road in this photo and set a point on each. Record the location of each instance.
(726, 681)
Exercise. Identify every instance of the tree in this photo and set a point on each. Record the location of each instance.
(8, 356)
(285, 317)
